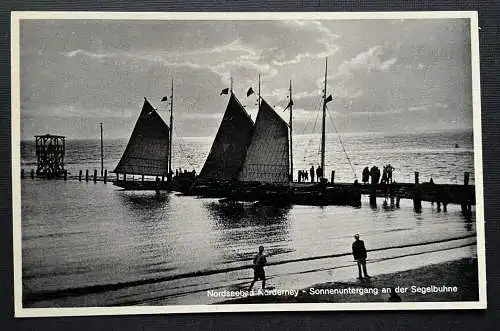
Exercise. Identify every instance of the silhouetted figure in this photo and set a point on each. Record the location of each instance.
(394, 297)
(259, 261)
(390, 169)
(311, 172)
(299, 176)
(306, 175)
(365, 177)
(176, 172)
(375, 174)
(359, 253)
(318, 174)
(431, 181)
(384, 176)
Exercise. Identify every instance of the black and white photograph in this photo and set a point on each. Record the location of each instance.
(228, 162)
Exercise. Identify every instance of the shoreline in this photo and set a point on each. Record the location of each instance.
(460, 277)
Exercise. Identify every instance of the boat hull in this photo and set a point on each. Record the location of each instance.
(285, 194)
(177, 184)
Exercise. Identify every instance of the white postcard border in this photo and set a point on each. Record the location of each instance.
(20, 311)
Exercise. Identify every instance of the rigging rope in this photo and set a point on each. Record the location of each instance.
(341, 143)
(183, 153)
(318, 152)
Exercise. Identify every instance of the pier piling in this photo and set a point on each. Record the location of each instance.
(373, 195)
(22, 173)
(105, 176)
(332, 180)
(87, 175)
(466, 178)
(32, 173)
(65, 175)
(80, 176)
(95, 175)
(142, 178)
(417, 195)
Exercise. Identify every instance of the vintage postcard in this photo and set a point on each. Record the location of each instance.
(224, 162)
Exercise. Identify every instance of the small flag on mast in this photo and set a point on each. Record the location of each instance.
(224, 91)
(328, 99)
(250, 92)
(164, 99)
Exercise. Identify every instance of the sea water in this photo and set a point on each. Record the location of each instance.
(93, 244)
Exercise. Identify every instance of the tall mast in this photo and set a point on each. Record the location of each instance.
(323, 122)
(259, 92)
(231, 85)
(102, 153)
(171, 127)
(291, 126)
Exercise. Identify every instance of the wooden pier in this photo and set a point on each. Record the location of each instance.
(299, 193)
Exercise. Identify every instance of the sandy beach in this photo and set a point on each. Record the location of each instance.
(449, 281)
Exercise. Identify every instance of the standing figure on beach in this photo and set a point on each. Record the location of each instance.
(359, 253)
(311, 172)
(366, 175)
(259, 261)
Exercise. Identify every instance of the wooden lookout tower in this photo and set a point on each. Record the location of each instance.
(50, 155)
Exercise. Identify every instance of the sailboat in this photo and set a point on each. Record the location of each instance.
(227, 154)
(267, 170)
(149, 152)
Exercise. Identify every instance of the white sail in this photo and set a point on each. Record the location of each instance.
(267, 158)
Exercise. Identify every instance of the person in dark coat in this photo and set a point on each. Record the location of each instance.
(311, 172)
(384, 176)
(318, 173)
(377, 174)
(373, 174)
(259, 261)
(359, 253)
(366, 175)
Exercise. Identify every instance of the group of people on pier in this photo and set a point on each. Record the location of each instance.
(185, 173)
(374, 174)
(303, 175)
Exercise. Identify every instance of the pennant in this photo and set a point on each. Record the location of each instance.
(224, 91)
(289, 105)
(250, 92)
(164, 99)
(328, 99)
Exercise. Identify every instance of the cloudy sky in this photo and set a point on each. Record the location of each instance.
(385, 75)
